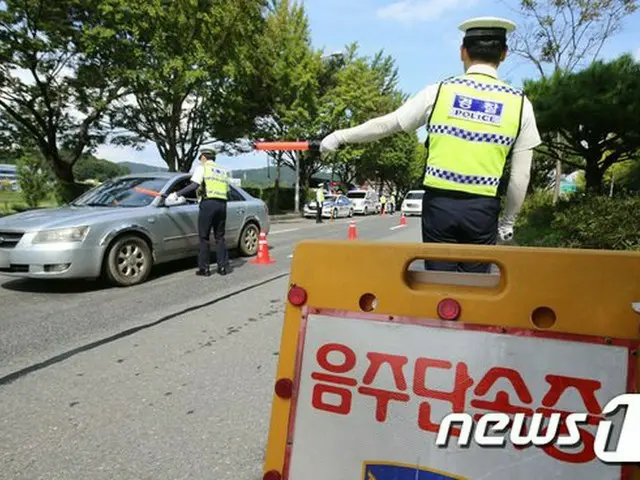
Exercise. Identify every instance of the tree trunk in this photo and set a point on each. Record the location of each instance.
(594, 176)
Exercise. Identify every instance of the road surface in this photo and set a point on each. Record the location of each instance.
(167, 380)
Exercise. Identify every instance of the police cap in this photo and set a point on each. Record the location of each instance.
(208, 154)
(487, 28)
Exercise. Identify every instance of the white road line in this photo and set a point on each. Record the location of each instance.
(284, 231)
(397, 227)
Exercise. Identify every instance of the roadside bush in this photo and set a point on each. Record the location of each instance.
(33, 178)
(592, 222)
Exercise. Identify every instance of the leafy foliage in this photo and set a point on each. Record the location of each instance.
(92, 168)
(195, 71)
(595, 113)
(55, 78)
(593, 222)
(33, 178)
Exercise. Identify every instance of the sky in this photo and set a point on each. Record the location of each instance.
(423, 37)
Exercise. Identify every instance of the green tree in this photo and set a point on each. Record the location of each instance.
(92, 168)
(33, 178)
(595, 114)
(562, 36)
(365, 88)
(295, 69)
(55, 79)
(196, 73)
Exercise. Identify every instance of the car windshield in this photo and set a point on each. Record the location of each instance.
(123, 192)
(330, 198)
(356, 195)
(414, 196)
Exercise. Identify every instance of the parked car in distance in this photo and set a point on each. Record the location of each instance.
(365, 202)
(334, 206)
(120, 229)
(412, 203)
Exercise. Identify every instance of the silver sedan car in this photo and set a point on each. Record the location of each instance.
(119, 230)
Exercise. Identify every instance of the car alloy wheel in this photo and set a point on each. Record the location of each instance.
(249, 240)
(128, 261)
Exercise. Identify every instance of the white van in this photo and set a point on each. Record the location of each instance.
(365, 202)
(412, 204)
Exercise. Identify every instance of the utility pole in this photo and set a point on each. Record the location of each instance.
(296, 207)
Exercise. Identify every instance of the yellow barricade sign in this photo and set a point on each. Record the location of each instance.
(387, 372)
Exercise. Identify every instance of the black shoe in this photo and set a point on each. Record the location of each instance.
(223, 271)
(203, 273)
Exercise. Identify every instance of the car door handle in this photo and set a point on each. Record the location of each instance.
(241, 211)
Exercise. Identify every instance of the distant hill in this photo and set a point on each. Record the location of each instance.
(141, 167)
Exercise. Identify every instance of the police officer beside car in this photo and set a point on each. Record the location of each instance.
(212, 183)
(476, 123)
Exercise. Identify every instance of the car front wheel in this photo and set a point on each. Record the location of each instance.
(249, 240)
(128, 261)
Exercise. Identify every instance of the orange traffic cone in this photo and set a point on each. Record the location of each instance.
(353, 234)
(403, 219)
(263, 257)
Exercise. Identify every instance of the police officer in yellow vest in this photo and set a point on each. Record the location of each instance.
(319, 202)
(475, 124)
(212, 182)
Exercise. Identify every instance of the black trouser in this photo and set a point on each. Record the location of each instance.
(318, 214)
(451, 218)
(213, 214)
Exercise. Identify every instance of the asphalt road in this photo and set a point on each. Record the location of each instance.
(167, 380)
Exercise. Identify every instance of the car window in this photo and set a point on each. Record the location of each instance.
(235, 196)
(414, 196)
(356, 195)
(122, 192)
(180, 185)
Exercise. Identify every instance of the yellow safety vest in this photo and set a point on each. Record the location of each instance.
(473, 126)
(216, 181)
(320, 195)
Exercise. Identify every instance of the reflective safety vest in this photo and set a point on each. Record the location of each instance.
(319, 195)
(215, 181)
(473, 126)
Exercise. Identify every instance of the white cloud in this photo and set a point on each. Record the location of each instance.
(638, 55)
(410, 11)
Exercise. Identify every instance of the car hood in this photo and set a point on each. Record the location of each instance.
(63, 217)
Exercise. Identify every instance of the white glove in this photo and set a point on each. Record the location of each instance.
(330, 143)
(173, 197)
(182, 200)
(505, 229)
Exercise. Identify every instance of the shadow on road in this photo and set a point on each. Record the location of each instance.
(158, 272)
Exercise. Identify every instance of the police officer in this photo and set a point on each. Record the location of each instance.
(319, 202)
(212, 182)
(475, 124)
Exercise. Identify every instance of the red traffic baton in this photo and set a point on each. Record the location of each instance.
(286, 146)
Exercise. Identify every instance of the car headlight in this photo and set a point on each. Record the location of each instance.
(64, 235)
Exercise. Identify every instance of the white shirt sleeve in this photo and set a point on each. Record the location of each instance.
(529, 137)
(518, 183)
(408, 118)
(521, 160)
(198, 175)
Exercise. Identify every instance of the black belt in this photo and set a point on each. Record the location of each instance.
(439, 192)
